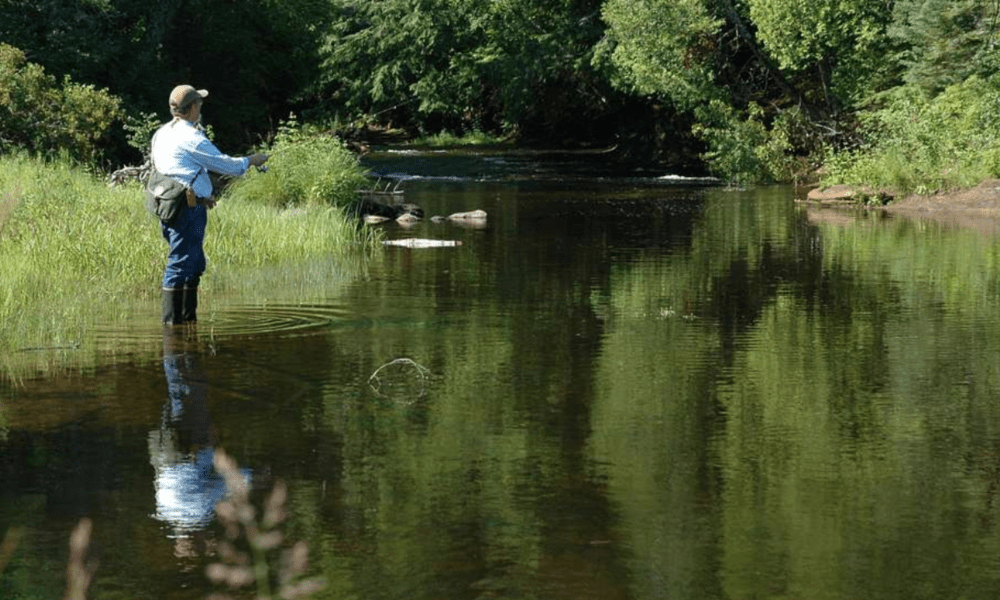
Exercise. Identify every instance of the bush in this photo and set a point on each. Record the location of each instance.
(47, 118)
(917, 141)
(741, 149)
(306, 168)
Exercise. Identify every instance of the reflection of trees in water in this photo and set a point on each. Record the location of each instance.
(826, 427)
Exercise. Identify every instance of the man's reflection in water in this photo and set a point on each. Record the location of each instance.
(181, 451)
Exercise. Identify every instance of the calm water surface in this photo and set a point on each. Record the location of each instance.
(619, 387)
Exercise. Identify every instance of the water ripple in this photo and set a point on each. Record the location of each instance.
(274, 319)
(234, 321)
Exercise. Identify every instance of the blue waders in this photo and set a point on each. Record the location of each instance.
(185, 264)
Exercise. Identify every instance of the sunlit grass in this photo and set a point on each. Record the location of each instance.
(74, 251)
(472, 138)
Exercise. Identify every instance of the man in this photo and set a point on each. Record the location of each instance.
(181, 151)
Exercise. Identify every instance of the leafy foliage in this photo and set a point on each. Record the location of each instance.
(741, 148)
(843, 41)
(924, 142)
(798, 33)
(256, 57)
(307, 168)
(766, 85)
(462, 65)
(946, 41)
(660, 47)
(47, 117)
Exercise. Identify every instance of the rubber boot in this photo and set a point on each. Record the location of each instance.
(173, 306)
(190, 312)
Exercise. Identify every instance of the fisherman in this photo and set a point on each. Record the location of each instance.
(181, 151)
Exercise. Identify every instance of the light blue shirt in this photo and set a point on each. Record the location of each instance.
(182, 152)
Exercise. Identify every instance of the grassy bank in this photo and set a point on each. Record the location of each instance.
(73, 250)
(922, 143)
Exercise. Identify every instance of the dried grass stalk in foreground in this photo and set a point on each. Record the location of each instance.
(251, 547)
(79, 572)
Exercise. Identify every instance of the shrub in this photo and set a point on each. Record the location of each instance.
(306, 168)
(741, 148)
(49, 118)
(918, 141)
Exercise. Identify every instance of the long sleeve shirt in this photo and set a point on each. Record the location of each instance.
(182, 152)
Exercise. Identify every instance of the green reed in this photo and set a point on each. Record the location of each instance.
(74, 250)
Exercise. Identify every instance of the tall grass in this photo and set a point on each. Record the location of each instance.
(73, 250)
(307, 168)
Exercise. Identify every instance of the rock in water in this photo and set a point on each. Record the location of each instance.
(473, 215)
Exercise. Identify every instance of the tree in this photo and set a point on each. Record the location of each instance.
(516, 65)
(946, 41)
(256, 57)
(664, 48)
(842, 43)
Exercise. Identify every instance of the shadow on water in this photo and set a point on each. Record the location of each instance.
(474, 164)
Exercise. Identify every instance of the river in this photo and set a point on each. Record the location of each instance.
(619, 386)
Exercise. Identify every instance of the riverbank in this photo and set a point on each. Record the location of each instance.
(971, 208)
(975, 208)
(76, 251)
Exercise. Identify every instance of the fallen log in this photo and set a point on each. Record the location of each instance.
(422, 243)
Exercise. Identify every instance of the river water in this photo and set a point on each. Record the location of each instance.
(618, 386)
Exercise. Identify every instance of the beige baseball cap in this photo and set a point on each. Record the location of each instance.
(184, 95)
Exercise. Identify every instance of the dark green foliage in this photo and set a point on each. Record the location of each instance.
(756, 89)
(256, 57)
(115, 44)
(946, 41)
(467, 65)
(923, 142)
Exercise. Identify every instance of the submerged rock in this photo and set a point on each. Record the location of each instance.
(372, 211)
